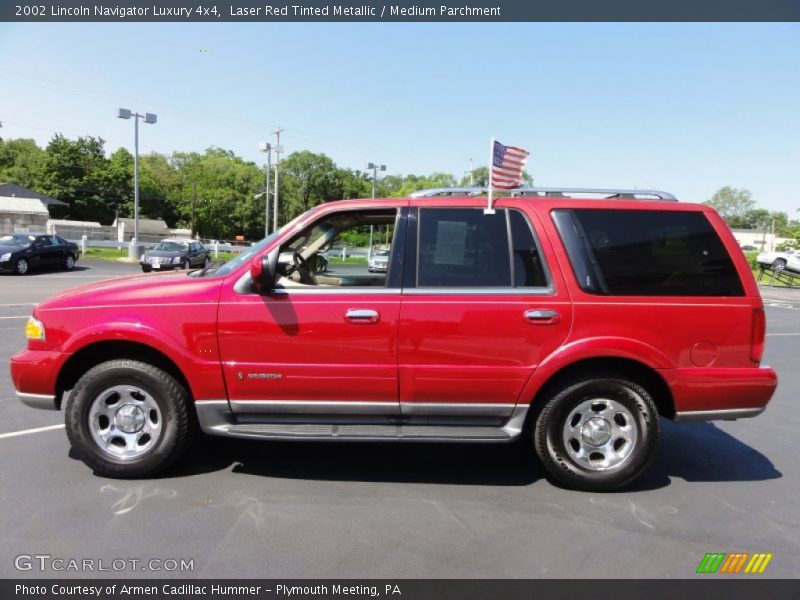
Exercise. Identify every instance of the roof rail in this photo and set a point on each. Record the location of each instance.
(552, 192)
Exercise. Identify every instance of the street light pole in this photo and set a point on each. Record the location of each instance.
(266, 147)
(150, 119)
(277, 133)
(375, 168)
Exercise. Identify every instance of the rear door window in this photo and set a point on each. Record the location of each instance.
(465, 248)
(648, 253)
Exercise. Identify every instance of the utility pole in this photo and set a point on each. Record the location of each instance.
(471, 174)
(277, 133)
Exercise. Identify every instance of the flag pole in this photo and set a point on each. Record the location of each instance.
(489, 210)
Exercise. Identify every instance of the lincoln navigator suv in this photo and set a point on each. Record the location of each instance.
(570, 320)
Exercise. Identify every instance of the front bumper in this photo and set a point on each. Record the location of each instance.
(720, 393)
(34, 373)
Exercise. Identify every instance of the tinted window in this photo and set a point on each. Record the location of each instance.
(656, 253)
(528, 266)
(463, 248)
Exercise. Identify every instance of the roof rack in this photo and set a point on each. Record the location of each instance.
(551, 192)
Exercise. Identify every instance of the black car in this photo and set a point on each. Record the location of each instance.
(21, 252)
(175, 254)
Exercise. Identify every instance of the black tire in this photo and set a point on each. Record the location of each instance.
(550, 430)
(22, 267)
(69, 262)
(206, 262)
(172, 399)
(146, 269)
(779, 264)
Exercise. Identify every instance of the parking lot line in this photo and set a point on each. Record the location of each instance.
(18, 317)
(18, 304)
(27, 431)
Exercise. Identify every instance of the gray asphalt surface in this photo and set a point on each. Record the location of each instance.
(255, 509)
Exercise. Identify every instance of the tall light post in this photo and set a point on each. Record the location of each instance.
(150, 119)
(278, 151)
(375, 168)
(266, 147)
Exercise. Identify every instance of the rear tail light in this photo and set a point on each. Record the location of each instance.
(757, 335)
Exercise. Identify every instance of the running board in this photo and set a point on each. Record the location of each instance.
(216, 419)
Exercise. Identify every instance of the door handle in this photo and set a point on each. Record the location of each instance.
(362, 315)
(542, 316)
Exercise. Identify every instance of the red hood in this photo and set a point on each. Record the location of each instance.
(138, 289)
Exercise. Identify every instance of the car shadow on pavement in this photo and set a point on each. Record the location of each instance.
(702, 452)
(694, 452)
(456, 464)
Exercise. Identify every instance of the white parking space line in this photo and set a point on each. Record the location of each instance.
(27, 431)
(18, 304)
(16, 317)
(794, 333)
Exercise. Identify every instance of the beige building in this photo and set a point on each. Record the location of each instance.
(22, 214)
(761, 239)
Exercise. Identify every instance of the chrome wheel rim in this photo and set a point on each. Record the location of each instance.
(70, 262)
(125, 422)
(600, 434)
(22, 267)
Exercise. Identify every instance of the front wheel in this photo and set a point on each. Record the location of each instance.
(22, 266)
(598, 434)
(69, 262)
(128, 419)
(779, 264)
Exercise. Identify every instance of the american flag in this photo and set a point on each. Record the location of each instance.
(508, 163)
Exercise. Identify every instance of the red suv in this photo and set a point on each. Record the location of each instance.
(568, 320)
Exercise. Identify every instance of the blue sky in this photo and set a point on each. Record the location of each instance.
(683, 107)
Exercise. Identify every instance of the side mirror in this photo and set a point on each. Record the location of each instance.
(263, 270)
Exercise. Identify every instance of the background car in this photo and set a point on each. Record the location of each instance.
(788, 259)
(21, 252)
(749, 248)
(175, 254)
(379, 261)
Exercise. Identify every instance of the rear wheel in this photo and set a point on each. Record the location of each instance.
(22, 266)
(779, 264)
(128, 419)
(598, 434)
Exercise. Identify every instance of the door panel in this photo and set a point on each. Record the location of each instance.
(299, 347)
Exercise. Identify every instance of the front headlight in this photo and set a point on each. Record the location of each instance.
(176, 260)
(34, 329)
(5, 257)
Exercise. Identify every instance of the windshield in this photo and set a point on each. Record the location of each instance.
(16, 240)
(171, 246)
(235, 263)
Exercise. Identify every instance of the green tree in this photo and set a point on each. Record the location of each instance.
(73, 172)
(21, 162)
(732, 204)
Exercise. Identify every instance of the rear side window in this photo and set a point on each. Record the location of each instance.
(463, 247)
(648, 253)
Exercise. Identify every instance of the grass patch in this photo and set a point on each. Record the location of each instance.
(350, 260)
(105, 253)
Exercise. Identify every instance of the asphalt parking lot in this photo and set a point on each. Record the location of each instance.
(255, 509)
